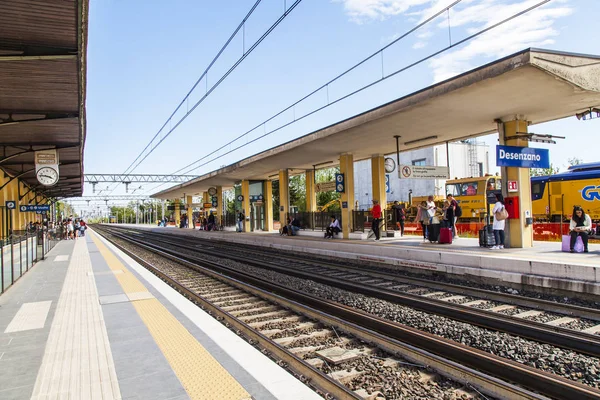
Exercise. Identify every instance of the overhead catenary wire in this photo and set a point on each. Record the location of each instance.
(141, 157)
(330, 103)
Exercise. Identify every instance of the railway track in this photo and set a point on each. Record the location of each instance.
(325, 343)
(562, 325)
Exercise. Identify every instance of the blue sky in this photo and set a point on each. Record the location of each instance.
(144, 56)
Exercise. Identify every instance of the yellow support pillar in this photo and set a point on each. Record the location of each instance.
(246, 204)
(347, 168)
(268, 199)
(378, 182)
(518, 234)
(190, 212)
(284, 195)
(311, 198)
(177, 213)
(220, 211)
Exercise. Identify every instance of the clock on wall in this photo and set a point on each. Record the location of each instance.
(47, 176)
(390, 165)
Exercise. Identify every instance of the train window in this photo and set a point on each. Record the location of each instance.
(453, 189)
(468, 189)
(537, 189)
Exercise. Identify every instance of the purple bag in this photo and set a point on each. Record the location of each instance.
(566, 244)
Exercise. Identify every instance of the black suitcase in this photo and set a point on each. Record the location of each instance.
(486, 237)
(433, 232)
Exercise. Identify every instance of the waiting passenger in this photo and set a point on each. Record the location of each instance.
(499, 223)
(333, 228)
(211, 222)
(423, 218)
(293, 227)
(400, 216)
(448, 215)
(240, 221)
(581, 225)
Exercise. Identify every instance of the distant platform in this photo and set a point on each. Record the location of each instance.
(544, 266)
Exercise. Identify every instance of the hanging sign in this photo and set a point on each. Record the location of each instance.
(422, 172)
(34, 208)
(325, 187)
(340, 185)
(522, 157)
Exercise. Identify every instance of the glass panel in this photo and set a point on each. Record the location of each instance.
(453, 189)
(420, 162)
(469, 189)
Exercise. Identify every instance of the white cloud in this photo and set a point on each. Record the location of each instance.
(535, 28)
(362, 10)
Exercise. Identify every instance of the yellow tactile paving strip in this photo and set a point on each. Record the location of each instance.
(200, 374)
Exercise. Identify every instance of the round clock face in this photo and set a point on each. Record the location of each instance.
(390, 165)
(47, 176)
(212, 191)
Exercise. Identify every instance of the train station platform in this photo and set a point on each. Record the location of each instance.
(543, 267)
(90, 323)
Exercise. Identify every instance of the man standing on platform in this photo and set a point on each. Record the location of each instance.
(376, 214)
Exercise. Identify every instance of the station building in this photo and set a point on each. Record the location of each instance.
(468, 158)
(506, 96)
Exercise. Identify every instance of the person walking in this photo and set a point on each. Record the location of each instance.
(499, 222)
(376, 215)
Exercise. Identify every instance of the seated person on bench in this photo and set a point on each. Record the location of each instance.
(581, 225)
(293, 227)
(333, 228)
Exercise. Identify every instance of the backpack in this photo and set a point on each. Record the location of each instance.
(501, 215)
(458, 211)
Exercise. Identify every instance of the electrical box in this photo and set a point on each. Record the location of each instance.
(512, 206)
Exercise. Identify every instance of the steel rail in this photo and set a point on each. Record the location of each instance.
(545, 383)
(537, 331)
(456, 371)
(540, 304)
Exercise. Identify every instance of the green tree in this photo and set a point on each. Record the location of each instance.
(543, 171)
(298, 192)
(327, 175)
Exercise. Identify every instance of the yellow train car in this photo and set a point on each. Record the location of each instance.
(475, 195)
(554, 196)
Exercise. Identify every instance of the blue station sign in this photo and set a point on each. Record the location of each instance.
(34, 208)
(522, 157)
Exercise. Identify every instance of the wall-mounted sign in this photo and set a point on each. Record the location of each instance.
(325, 187)
(11, 204)
(422, 172)
(522, 157)
(46, 157)
(340, 185)
(344, 204)
(513, 186)
(34, 208)
(215, 201)
(387, 183)
(240, 197)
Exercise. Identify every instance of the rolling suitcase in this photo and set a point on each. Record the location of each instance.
(486, 237)
(445, 236)
(434, 232)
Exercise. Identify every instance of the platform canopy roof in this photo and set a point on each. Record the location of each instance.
(42, 89)
(533, 84)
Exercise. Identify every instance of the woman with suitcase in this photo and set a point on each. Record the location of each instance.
(500, 214)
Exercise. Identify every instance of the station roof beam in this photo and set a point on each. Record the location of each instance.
(540, 85)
